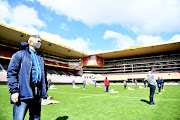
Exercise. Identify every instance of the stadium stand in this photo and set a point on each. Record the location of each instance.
(162, 63)
(130, 67)
(57, 70)
(64, 64)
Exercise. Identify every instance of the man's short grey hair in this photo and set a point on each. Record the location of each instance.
(34, 37)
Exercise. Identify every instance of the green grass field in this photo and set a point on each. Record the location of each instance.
(94, 104)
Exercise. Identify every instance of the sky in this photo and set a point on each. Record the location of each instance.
(95, 26)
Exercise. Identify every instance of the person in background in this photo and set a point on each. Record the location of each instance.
(27, 80)
(106, 83)
(135, 83)
(95, 83)
(49, 83)
(73, 83)
(145, 83)
(84, 84)
(152, 85)
(162, 84)
(125, 84)
(159, 83)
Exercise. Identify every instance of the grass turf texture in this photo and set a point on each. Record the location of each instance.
(94, 104)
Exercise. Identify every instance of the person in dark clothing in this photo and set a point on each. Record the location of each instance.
(159, 83)
(106, 83)
(125, 84)
(27, 80)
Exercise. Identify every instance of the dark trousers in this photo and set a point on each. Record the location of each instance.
(124, 87)
(162, 85)
(159, 86)
(34, 105)
(20, 108)
(107, 88)
(152, 91)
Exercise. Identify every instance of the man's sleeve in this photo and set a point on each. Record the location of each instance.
(12, 73)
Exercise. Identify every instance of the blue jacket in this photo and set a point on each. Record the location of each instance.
(19, 74)
(159, 81)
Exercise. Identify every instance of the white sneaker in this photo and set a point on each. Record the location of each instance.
(163, 90)
(153, 104)
(160, 93)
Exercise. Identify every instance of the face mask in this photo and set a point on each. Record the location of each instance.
(36, 45)
(154, 70)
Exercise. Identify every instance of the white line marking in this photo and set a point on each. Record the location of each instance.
(72, 93)
(146, 98)
(96, 95)
(89, 95)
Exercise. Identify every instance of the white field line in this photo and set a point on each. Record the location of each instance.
(97, 95)
(146, 98)
(89, 95)
(71, 93)
(94, 95)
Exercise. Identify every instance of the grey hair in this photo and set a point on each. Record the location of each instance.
(34, 37)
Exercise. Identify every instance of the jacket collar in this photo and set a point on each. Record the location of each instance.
(39, 53)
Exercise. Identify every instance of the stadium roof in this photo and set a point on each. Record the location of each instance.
(141, 50)
(17, 36)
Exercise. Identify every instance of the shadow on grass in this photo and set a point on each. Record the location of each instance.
(62, 118)
(145, 101)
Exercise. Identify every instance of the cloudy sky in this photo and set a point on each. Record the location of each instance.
(95, 26)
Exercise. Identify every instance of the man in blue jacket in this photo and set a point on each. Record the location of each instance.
(26, 80)
(159, 83)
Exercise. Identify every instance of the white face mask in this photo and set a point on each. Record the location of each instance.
(36, 45)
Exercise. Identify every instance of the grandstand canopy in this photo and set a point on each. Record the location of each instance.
(16, 36)
(133, 51)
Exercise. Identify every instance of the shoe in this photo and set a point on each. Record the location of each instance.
(160, 93)
(163, 90)
(153, 104)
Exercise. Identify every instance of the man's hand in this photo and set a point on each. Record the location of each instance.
(15, 97)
